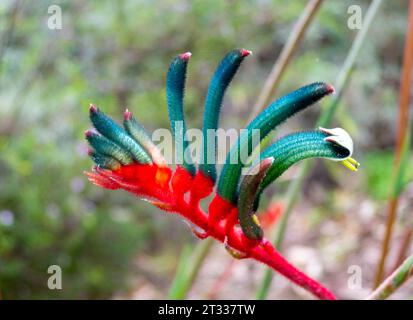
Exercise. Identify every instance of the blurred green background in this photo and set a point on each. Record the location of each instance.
(115, 54)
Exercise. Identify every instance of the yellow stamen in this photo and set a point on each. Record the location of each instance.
(353, 161)
(351, 164)
(255, 219)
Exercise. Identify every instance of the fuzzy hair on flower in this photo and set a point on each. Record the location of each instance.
(126, 158)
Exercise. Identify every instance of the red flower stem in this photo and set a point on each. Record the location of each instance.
(277, 262)
(263, 251)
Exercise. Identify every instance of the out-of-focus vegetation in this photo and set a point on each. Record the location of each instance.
(115, 54)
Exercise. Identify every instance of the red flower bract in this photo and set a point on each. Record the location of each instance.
(178, 192)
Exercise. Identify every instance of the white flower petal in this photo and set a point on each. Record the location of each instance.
(340, 137)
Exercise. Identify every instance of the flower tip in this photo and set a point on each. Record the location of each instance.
(127, 115)
(267, 162)
(245, 52)
(88, 133)
(330, 89)
(185, 56)
(92, 108)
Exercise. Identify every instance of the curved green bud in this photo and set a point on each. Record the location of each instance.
(265, 122)
(108, 148)
(248, 191)
(175, 90)
(299, 146)
(111, 130)
(217, 87)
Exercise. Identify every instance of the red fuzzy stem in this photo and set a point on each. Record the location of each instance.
(263, 252)
(277, 262)
(220, 223)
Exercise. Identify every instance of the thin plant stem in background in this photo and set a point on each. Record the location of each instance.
(179, 277)
(271, 83)
(394, 281)
(399, 182)
(404, 246)
(405, 83)
(280, 65)
(326, 116)
(188, 269)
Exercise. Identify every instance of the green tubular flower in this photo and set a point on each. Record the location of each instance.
(265, 122)
(175, 90)
(217, 87)
(113, 132)
(138, 132)
(332, 144)
(248, 192)
(105, 147)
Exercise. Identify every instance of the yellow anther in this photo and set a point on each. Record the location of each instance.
(351, 164)
(255, 219)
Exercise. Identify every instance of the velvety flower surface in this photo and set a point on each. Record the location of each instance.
(126, 158)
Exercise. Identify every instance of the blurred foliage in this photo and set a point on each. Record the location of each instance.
(115, 54)
(378, 168)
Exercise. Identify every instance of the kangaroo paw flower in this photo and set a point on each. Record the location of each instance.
(109, 129)
(217, 87)
(175, 90)
(126, 158)
(276, 113)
